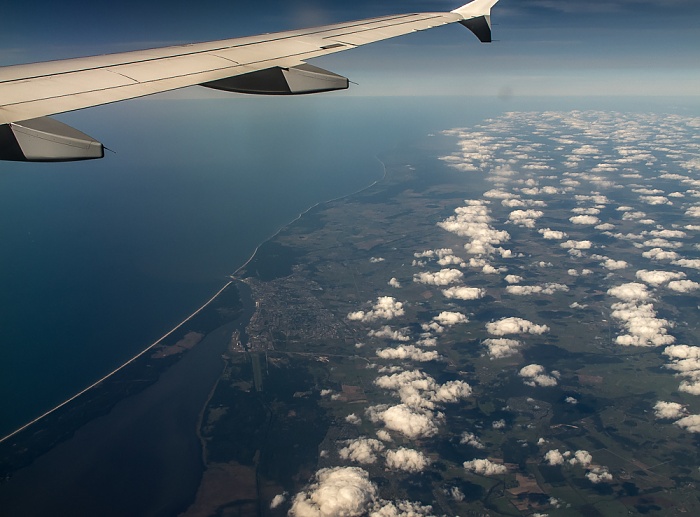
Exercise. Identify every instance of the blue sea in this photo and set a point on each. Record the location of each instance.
(99, 259)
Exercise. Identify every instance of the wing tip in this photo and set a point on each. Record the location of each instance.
(475, 8)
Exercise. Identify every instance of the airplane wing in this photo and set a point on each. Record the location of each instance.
(273, 64)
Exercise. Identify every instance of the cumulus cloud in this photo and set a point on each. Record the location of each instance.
(683, 286)
(447, 318)
(576, 245)
(468, 438)
(656, 278)
(394, 283)
(526, 218)
(342, 491)
(693, 211)
(690, 423)
(642, 325)
(668, 410)
(361, 450)
(659, 254)
(401, 418)
(464, 293)
(512, 325)
(484, 467)
(536, 375)
(442, 277)
(408, 352)
(552, 234)
(631, 292)
(386, 332)
(501, 347)
(386, 308)
(554, 457)
(353, 419)
(408, 460)
(524, 290)
(599, 475)
(419, 390)
(278, 500)
(474, 222)
(614, 265)
(584, 219)
(513, 279)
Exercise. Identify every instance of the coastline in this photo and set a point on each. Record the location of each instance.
(5, 440)
(116, 370)
(302, 214)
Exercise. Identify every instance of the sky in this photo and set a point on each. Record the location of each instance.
(543, 47)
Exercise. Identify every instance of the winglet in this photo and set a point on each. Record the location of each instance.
(477, 18)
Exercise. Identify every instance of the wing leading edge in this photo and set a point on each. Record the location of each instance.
(265, 64)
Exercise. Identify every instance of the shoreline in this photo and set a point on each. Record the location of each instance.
(232, 279)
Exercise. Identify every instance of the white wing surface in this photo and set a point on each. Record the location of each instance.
(265, 64)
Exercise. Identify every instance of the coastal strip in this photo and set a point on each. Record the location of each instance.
(96, 383)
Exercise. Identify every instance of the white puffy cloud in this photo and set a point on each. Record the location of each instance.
(473, 222)
(400, 509)
(554, 457)
(655, 200)
(278, 500)
(447, 318)
(337, 491)
(577, 245)
(584, 219)
(361, 450)
(513, 279)
(408, 352)
(660, 254)
(353, 419)
(464, 293)
(656, 278)
(693, 211)
(386, 332)
(689, 263)
(401, 418)
(599, 475)
(550, 234)
(642, 325)
(498, 424)
(452, 391)
(631, 292)
(524, 290)
(384, 435)
(501, 347)
(512, 325)
(682, 352)
(582, 458)
(419, 390)
(614, 265)
(536, 375)
(409, 460)
(468, 438)
(683, 286)
(386, 308)
(376, 260)
(526, 218)
(442, 277)
(394, 283)
(485, 467)
(668, 410)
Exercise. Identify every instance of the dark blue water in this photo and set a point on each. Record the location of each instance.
(99, 259)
